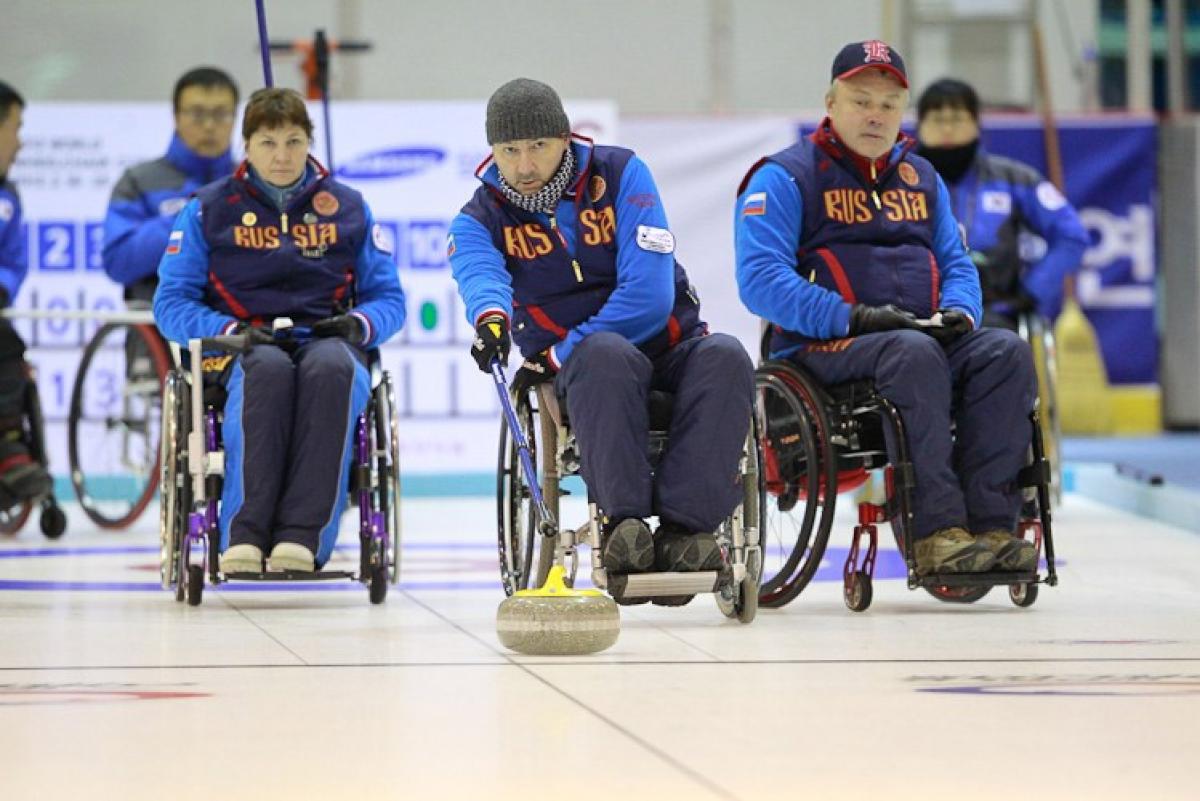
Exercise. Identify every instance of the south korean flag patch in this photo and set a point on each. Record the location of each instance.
(655, 240)
(381, 238)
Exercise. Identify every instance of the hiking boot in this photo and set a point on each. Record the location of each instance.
(678, 550)
(629, 548)
(951, 550)
(291, 556)
(1012, 553)
(242, 558)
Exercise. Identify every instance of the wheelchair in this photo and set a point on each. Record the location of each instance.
(113, 422)
(52, 519)
(526, 554)
(192, 467)
(820, 441)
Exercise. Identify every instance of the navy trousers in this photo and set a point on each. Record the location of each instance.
(288, 439)
(606, 385)
(985, 382)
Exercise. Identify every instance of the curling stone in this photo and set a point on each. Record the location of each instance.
(557, 620)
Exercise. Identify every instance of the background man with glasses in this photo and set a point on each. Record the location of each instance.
(146, 199)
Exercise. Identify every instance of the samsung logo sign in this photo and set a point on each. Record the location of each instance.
(397, 162)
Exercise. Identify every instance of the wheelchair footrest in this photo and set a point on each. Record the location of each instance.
(293, 575)
(650, 585)
(992, 579)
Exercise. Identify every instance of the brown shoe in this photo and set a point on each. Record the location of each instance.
(1012, 553)
(951, 550)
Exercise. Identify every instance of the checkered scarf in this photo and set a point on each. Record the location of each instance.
(545, 200)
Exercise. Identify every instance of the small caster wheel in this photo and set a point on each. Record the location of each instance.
(858, 591)
(195, 585)
(958, 595)
(53, 521)
(1023, 594)
(379, 585)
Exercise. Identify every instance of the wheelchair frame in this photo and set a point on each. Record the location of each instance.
(835, 426)
(526, 554)
(193, 466)
(52, 520)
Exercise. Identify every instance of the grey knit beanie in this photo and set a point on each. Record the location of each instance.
(525, 109)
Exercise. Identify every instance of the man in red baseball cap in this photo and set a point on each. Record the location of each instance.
(847, 244)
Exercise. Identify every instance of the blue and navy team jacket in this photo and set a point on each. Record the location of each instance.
(996, 200)
(233, 256)
(142, 211)
(603, 262)
(14, 252)
(814, 235)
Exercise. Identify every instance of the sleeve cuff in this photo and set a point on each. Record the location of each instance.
(491, 311)
(228, 328)
(552, 357)
(367, 328)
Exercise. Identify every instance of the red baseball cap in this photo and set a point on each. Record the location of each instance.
(858, 56)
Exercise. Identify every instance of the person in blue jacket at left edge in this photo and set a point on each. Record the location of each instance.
(22, 478)
(565, 248)
(281, 238)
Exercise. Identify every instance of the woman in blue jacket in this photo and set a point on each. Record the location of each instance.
(280, 238)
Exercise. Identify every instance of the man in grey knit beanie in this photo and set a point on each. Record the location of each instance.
(564, 249)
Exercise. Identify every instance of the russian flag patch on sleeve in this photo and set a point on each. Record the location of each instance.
(174, 242)
(754, 205)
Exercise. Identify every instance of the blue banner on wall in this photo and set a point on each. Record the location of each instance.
(1110, 168)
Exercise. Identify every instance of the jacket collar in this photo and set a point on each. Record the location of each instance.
(204, 169)
(583, 147)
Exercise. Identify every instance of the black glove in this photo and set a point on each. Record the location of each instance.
(873, 319)
(954, 325)
(492, 341)
(5, 300)
(346, 326)
(255, 334)
(536, 370)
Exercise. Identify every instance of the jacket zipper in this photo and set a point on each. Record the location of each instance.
(563, 240)
(874, 185)
(283, 220)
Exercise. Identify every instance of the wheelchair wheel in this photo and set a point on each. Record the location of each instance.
(742, 530)
(14, 519)
(800, 477)
(1023, 595)
(113, 423)
(387, 429)
(525, 555)
(379, 585)
(858, 592)
(53, 520)
(174, 503)
(195, 585)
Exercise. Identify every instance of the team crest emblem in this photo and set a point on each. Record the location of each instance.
(249, 218)
(876, 51)
(908, 174)
(325, 203)
(309, 218)
(597, 188)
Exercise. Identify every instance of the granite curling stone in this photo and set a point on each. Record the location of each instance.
(557, 620)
